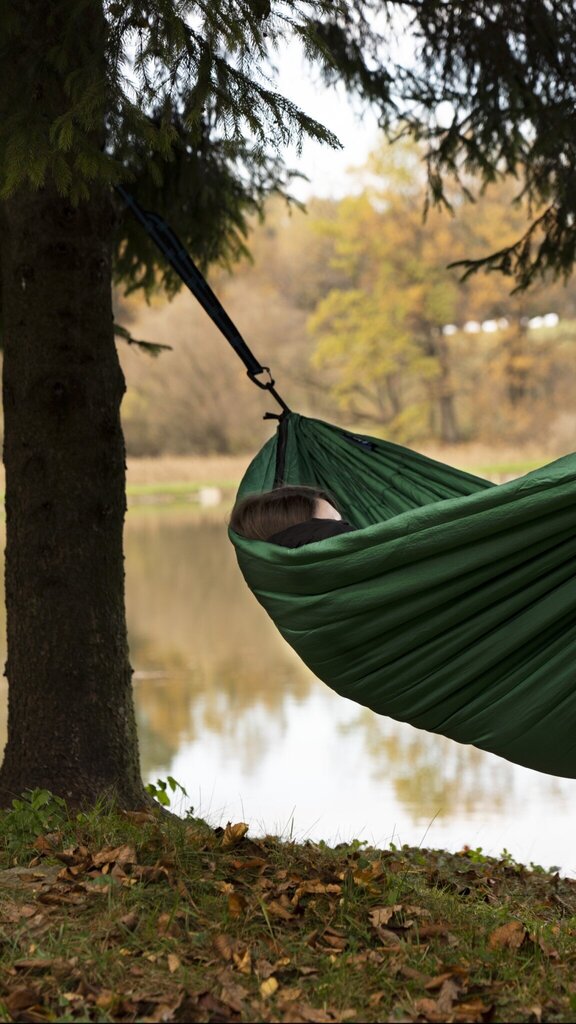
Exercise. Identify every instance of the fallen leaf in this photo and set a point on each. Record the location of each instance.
(38, 964)
(249, 864)
(141, 817)
(48, 843)
(233, 834)
(243, 962)
(448, 995)
(278, 909)
(289, 995)
(129, 920)
(313, 1015)
(508, 936)
(233, 994)
(315, 887)
(105, 998)
(428, 1008)
(438, 980)
(22, 998)
(268, 987)
(115, 855)
(534, 1014)
(380, 916)
(225, 887)
(224, 946)
(264, 968)
(335, 941)
(388, 938)
(173, 962)
(236, 904)
(26, 910)
(475, 1012)
(376, 998)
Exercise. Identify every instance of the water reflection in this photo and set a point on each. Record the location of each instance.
(226, 707)
(189, 617)
(431, 774)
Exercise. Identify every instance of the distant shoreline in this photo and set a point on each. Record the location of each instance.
(181, 474)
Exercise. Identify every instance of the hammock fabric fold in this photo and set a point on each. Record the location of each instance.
(451, 607)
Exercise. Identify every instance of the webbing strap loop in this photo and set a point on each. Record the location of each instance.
(177, 256)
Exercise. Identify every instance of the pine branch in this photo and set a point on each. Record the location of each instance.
(152, 348)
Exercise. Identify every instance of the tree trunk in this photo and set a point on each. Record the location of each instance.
(518, 363)
(442, 388)
(71, 724)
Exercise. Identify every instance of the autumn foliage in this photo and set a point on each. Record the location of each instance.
(139, 918)
(349, 305)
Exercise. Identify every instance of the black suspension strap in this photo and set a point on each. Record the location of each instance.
(174, 252)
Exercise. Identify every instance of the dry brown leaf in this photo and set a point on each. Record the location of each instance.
(335, 941)
(547, 950)
(243, 962)
(163, 922)
(313, 1015)
(448, 995)
(278, 909)
(236, 904)
(508, 936)
(105, 998)
(249, 864)
(380, 916)
(428, 1008)
(534, 1014)
(288, 995)
(150, 873)
(48, 843)
(474, 1012)
(264, 968)
(173, 962)
(315, 887)
(233, 834)
(224, 946)
(388, 938)
(22, 998)
(115, 855)
(37, 964)
(268, 987)
(140, 817)
(233, 994)
(26, 910)
(415, 975)
(417, 911)
(437, 981)
(225, 887)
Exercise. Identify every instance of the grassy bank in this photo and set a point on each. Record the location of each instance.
(183, 479)
(110, 917)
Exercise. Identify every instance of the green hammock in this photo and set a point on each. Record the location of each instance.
(452, 607)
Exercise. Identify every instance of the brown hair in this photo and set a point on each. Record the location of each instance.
(260, 516)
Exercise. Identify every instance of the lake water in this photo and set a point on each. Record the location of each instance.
(227, 708)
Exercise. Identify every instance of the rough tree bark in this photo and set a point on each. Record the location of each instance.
(441, 388)
(71, 724)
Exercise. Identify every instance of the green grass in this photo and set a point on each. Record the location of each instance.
(508, 468)
(177, 489)
(149, 918)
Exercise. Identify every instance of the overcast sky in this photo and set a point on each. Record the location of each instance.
(325, 167)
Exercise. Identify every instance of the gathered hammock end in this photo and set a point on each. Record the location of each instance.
(452, 606)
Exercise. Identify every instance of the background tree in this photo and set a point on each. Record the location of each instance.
(91, 94)
(172, 96)
(380, 334)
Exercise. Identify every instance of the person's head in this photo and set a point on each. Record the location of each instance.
(260, 516)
